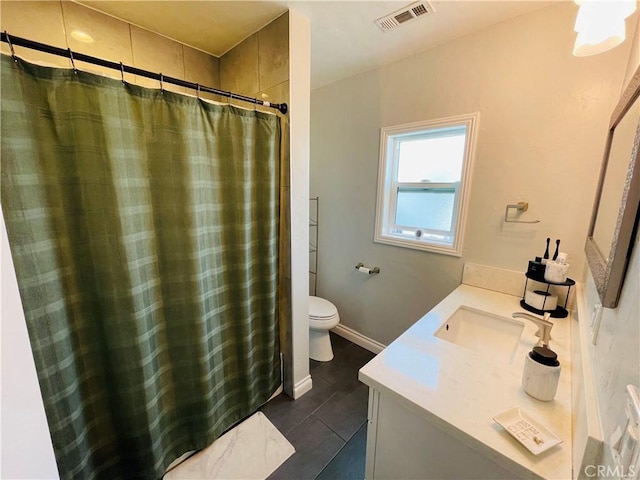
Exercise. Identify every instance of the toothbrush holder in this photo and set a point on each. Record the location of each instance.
(556, 272)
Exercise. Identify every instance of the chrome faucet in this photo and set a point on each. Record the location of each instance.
(544, 325)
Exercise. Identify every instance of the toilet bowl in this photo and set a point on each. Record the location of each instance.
(323, 316)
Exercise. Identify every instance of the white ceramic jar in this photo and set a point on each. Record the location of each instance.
(541, 374)
(556, 272)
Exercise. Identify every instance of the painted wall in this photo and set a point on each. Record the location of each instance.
(634, 56)
(543, 119)
(300, 74)
(26, 450)
(616, 356)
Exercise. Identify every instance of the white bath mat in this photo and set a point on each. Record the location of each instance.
(251, 450)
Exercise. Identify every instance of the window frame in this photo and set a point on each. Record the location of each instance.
(388, 185)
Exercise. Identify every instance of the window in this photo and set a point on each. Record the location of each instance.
(423, 183)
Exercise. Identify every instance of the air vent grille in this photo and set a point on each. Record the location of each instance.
(419, 10)
(387, 24)
(403, 17)
(410, 12)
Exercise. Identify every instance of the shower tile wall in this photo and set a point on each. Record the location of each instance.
(145, 45)
(111, 38)
(199, 65)
(259, 66)
(39, 21)
(239, 67)
(52, 23)
(273, 54)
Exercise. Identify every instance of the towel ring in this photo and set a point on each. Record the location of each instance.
(520, 207)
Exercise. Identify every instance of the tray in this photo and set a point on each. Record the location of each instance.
(533, 436)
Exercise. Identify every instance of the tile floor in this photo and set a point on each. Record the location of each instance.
(328, 425)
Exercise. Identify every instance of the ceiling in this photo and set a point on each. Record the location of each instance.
(344, 39)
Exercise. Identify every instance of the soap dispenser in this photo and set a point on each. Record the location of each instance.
(541, 373)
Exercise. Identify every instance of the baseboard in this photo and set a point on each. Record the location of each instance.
(302, 387)
(359, 339)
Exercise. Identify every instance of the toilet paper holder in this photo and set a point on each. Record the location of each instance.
(369, 271)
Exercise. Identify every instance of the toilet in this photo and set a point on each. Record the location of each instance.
(323, 316)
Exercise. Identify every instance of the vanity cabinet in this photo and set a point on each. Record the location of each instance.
(403, 444)
(432, 401)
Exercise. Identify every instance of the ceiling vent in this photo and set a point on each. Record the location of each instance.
(410, 12)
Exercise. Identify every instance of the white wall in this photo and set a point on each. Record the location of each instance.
(299, 78)
(634, 57)
(27, 451)
(543, 119)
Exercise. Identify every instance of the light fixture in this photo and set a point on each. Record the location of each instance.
(600, 25)
(82, 36)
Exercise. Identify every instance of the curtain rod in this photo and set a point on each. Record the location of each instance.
(61, 52)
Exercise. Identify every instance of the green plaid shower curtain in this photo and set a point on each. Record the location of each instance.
(144, 227)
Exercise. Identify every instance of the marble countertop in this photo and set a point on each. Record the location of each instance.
(460, 390)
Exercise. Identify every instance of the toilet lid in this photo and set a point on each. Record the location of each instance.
(321, 308)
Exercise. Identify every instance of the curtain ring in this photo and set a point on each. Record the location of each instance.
(198, 91)
(13, 52)
(122, 72)
(161, 80)
(73, 63)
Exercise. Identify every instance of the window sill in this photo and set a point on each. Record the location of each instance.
(418, 245)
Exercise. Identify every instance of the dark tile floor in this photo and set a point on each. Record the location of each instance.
(328, 425)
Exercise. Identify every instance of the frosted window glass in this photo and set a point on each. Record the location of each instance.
(436, 159)
(428, 209)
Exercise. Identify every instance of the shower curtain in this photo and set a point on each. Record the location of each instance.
(144, 228)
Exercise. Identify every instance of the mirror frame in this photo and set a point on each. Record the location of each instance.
(608, 275)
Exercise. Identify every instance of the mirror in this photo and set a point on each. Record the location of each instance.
(614, 220)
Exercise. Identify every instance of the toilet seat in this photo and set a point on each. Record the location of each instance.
(324, 323)
(323, 315)
(319, 308)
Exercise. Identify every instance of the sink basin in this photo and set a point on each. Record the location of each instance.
(484, 332)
